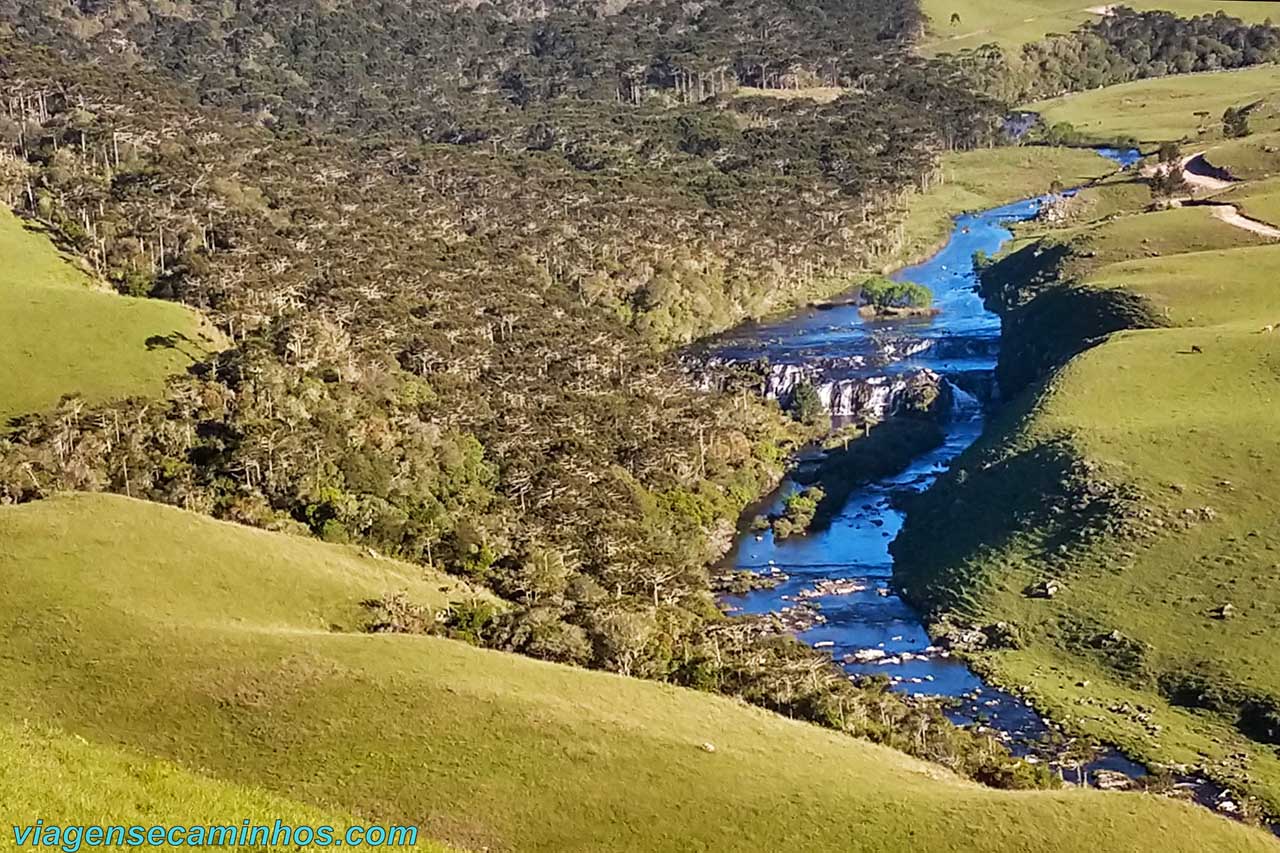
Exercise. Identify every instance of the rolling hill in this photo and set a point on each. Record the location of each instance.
(1184, 106)
(65, 334)
(236, 655)
(1137, 478)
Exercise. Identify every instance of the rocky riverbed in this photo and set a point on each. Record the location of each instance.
(838, 591)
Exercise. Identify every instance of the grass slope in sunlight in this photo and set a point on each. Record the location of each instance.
(1185, 417)
(1254, 156)
(68, 781)
(1165, 108)
(1013, 23)
(1258, 199)
(243, 663)
(65, 335)
(1190, 431)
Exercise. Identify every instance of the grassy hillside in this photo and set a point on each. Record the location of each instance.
(1165, 108)
(246, 666)
(68, 781)
(1142, 480)
(1013, 24)
(1255, 156)
(1260, 200)
(63, 335)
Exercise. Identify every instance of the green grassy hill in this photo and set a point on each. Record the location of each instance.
(1165, 108)
(70, 782)
(1013, 24)
(63, 334)
(244, 666)
(1256, 156)
(1260, 200)
(1144, 480)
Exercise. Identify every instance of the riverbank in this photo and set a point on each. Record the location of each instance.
(1119, 516)
(843, 568)
(964, 181)
(978, 180)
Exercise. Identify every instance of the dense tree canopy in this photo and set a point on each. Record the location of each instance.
(447, 247)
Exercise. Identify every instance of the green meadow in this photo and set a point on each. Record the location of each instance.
(1166, 108)
(235, 657)
(67, 781)
(66, 334)
(1256, 156)
(1260, 200)
(1013, 24)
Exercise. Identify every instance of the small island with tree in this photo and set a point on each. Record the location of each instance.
(798, 511)
(883, 298)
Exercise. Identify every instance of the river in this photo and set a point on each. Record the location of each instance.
(868, 628)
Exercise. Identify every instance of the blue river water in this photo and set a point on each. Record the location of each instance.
(867, 627)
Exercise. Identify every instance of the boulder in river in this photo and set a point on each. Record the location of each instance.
(1112, 780)
(865, 656)
(833, 586)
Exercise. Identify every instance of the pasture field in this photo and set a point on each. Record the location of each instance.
(66, 334)
(1015, 23)
(235, 654)
(1167, 107)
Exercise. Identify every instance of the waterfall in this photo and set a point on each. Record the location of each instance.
(964, 406)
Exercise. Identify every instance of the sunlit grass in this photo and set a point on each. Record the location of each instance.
(1166, 108)
(231, 652)
(66, 334)
(1013, 23)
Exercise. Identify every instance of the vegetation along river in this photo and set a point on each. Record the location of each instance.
(845, 567)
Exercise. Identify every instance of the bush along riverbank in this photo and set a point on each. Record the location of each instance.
(1109, 546)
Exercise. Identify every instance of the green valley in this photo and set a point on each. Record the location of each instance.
(401, 404)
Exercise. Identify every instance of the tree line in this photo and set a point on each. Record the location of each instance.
(1121, 46)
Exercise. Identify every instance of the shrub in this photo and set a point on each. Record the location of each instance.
(470, 621)
(885, 294)
(1235, 122)
(798, 510)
